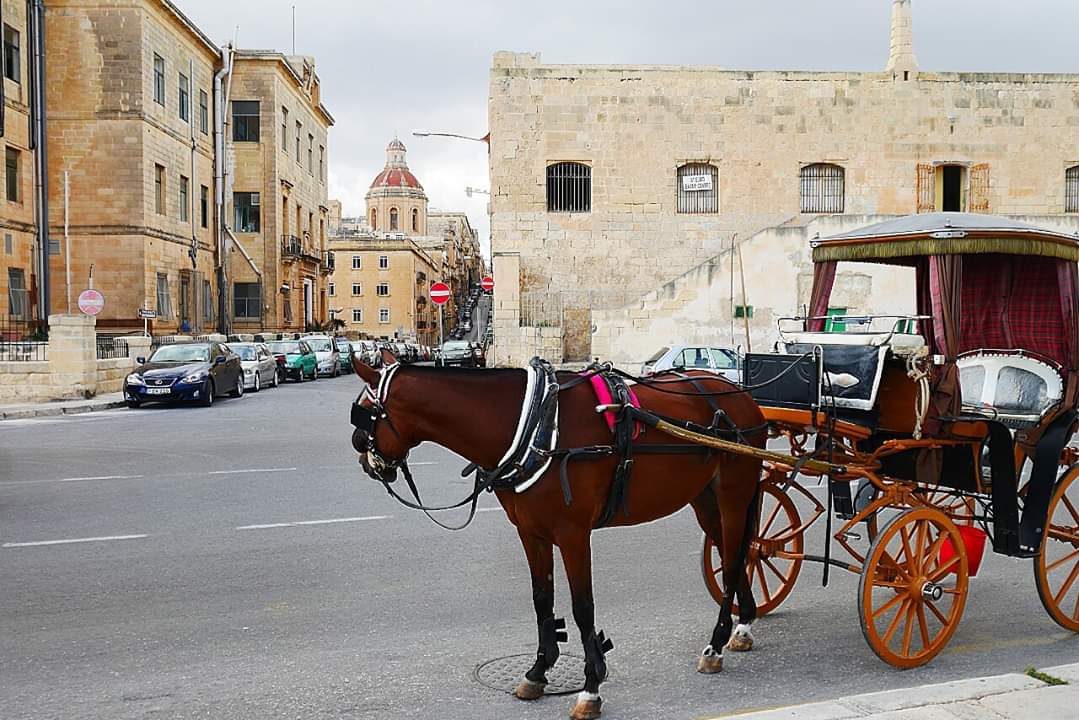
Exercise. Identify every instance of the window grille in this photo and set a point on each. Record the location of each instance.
(569, 187)
(164, 300)
(382, 289)
(698, 188)
(246, 205)
(12, 66)
(245, 120)
(245, 300)
(357, 315)
(1071, 189)
(822, 188)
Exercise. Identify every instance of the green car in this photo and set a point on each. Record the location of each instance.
(295, 359)
(344, 350)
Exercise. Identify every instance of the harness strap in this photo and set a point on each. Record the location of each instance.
(473, 498)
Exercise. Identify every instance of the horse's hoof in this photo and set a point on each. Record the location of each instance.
(587, 709)
(529, 690)
(740, 642)
(710, 662)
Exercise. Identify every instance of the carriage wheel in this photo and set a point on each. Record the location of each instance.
(910, 601)
(771, 578)
(1056, 567)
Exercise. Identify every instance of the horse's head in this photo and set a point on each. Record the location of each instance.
(382, 442)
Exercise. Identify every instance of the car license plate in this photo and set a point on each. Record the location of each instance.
(158, 391)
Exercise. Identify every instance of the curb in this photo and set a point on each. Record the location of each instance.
(46, 410)
(998, 687)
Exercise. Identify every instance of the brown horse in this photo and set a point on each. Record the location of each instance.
(475, 412)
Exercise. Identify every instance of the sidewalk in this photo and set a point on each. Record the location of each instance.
(61, 407)
(1014, 696)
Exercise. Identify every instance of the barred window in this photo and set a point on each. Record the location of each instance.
(569, 187)
(822, 188)
(1071, 189)
(698, 188)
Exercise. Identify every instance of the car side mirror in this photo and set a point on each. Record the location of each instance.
(219, 360)
(140, 360)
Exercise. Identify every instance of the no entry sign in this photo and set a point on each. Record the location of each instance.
(440, 293)
(487, 283)
(91, 302)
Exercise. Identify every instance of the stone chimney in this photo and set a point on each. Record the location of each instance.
(901, 60)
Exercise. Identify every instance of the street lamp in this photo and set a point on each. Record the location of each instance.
(486, 139)
(469, 191)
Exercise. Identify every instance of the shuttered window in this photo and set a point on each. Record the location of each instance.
(822, 188)
(698, 188)
(569, 187)
(1071, 189)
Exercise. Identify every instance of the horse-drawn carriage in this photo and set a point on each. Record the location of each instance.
(935, 430)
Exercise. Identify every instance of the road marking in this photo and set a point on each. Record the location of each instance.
(71, 541)
(479, 510)
(301, 523)
(101, 477)
(419, 464)
(250, 470)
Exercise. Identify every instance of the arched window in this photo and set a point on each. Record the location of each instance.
(1071, 189)
(374, 218)
(393, 218)
(415, 220)
(698, 188)
(569, 187)
(822, 188)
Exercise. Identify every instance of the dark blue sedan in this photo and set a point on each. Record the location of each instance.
(196, 372)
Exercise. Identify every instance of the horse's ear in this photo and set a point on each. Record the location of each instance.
(388, 357)
(368, 374)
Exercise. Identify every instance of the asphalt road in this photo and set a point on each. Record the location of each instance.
(225, 592)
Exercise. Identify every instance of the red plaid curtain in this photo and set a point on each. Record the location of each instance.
(823, 279)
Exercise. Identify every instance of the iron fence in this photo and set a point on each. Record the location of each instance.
(23, 340)
(111, 348)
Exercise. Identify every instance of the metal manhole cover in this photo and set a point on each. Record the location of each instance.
(505, 673)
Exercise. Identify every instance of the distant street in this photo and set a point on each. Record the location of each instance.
(243, 567)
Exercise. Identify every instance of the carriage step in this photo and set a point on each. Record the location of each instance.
(850, 536)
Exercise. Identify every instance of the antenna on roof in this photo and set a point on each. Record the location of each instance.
(293, 29)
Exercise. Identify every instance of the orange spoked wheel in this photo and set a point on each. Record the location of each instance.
(911, 596)
(771, 577)
(1056, 567)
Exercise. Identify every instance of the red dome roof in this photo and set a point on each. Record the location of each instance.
(396, 177)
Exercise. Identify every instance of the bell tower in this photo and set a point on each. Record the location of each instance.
(901, 61)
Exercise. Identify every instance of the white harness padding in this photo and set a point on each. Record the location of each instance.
(537, 392)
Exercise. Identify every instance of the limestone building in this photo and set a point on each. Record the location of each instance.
(129, 120)
(624, 197)
(17, 216)
(278, 213)
(386, 261)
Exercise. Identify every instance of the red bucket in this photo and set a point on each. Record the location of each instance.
(974, 541)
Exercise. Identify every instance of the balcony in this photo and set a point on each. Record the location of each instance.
(327, 265)
(291, 248)
(421, 277)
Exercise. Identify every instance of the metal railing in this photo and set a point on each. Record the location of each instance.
(328, 261)
(23, 340)
(291, 246)
(111, 348)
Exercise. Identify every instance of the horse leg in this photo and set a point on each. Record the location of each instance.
(541, 564)
(735, 524)
(577, 558)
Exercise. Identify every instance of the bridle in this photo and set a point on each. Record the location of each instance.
(366, 412)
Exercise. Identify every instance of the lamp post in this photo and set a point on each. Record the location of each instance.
(486, 139)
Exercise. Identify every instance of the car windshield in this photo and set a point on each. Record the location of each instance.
(342, 345)
(181, 353)
(655, 358)
(289, 348)
(246, 352)
(455, 346)
(320, 344)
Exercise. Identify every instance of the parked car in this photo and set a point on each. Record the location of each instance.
(370, 353)
(479, 354)
(456, 352)
(259, 365)
(344, 351)
(329, 360)
(722, 361)
(185, 371)
(300, 361)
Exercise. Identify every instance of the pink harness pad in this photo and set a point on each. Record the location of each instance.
(603, 397)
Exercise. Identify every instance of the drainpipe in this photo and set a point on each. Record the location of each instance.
(224, 320)
(254, 267)
(35, 13)
(193, 182)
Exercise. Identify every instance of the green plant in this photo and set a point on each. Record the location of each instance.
(1044, 677)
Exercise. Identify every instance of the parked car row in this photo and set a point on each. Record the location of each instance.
(461, 353)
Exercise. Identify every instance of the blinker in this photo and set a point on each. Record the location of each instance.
(363, 418)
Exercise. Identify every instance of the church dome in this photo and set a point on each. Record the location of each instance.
(396, 173)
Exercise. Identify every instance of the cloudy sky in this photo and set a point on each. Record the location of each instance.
(391, 67)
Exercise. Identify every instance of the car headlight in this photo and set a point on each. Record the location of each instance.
(196, 377)
(249, 371)
(135, 379)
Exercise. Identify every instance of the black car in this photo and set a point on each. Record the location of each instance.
(456, 353)
(186, 371)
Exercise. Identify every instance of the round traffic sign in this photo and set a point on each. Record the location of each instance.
(440, 293)
(91, 302)
(487, 283)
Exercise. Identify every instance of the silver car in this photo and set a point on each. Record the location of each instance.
(329, 360)
(722, 361)
(259, 365)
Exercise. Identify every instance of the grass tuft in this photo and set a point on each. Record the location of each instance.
(1044, 677)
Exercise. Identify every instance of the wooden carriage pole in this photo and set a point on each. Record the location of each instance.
(745, 300)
